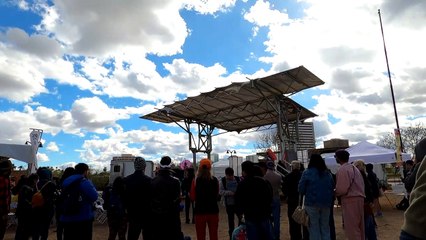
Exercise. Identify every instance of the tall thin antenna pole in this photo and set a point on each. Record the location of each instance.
(390, 83)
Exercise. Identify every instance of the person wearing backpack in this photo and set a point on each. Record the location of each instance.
(78, 209)
(227, 188)
(253, 199)
(24, 209)
(116, 213)
(60, 202)
(166, 197)
(137, 199)
(43, 204)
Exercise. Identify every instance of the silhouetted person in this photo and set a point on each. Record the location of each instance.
(137, 199)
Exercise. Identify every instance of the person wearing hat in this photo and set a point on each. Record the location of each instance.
(350, 188)
(137, 200)
(205, 191)
(275, 180)
(5, 171)
(166, 197)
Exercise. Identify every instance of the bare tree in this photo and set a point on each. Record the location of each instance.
(410, 137)
(267, 139)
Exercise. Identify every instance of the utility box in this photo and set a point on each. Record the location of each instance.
(336, 143)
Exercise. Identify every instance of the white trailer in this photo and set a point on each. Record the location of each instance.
(123, 166)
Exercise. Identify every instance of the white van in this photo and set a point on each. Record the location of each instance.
(123, 166)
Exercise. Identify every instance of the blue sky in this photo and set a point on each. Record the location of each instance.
(85, 71)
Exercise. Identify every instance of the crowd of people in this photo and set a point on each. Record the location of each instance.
(40, 198)
(151, 206)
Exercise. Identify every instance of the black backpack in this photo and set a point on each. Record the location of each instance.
(223, 180)
(72, 198)
(106, 195)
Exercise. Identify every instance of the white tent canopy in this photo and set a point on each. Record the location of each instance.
(23, 153)
(370, 153)
(219, 168)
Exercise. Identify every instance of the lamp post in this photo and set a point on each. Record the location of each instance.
(231, 152)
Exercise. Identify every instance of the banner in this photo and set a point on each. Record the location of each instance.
(398, 147)
(35, 138)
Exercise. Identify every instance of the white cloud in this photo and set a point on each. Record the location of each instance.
(104, 27)
(53, 147)
(39, 45)
(209, 7)
(42, 157)
(93, 114)
(260, 9)
(153, 144)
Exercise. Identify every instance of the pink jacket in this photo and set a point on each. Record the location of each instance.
(349, 182)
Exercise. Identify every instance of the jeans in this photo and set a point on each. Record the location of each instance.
(82, 230)
(406, 236)
(370, 228)
(331, 223)
(135, 228)
(117, 226)
(276, 215)
(189, 205)
(24, 228)
(259, 229)
(230, 211)
(319, 227)
(295, 229)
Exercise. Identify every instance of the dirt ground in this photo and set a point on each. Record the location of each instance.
(388, 226)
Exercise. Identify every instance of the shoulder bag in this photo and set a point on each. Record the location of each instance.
(300, 215)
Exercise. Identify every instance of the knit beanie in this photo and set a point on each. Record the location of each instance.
(166, 162)
(205, 163)
(140, 164)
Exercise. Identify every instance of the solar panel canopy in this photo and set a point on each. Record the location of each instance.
(244, 105)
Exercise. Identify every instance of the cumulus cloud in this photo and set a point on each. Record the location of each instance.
(153, 144)
(260, 9)
(93, 114)
(209, 7)
(39, 45)
(42, 157)
(103, 27)
(53, 147)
